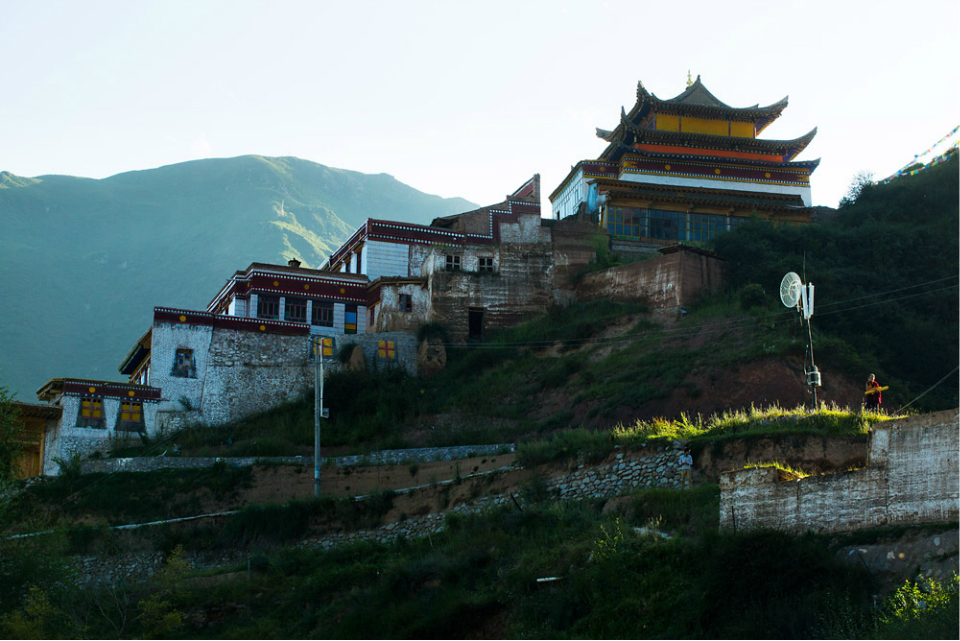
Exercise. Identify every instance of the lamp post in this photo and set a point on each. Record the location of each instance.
(319, 346)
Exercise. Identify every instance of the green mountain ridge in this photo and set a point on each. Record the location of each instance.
(86, 260)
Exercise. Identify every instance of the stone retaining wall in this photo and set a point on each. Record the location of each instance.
(655, 466)
(127, 568)
(383, 457)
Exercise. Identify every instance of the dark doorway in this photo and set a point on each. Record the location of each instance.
(475, 323)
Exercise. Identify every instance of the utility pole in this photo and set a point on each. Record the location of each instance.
(793, 293)
(318, 344)
(813, 374)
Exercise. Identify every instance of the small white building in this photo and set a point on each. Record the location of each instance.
(93, 416)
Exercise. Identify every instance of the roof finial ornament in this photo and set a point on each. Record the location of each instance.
(689, 79)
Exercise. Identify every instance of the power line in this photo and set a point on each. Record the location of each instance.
(720, 326)
(929, 389)
(726, 325)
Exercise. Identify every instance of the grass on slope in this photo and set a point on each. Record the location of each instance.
(497, 387)
(556, 570)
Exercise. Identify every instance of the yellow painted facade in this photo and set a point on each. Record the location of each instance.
(689, 124)
(703, 126)
(742, 130)
(666, 122)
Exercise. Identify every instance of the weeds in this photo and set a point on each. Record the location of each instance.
(594, 446)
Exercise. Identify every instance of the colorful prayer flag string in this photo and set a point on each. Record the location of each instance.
(936, 161)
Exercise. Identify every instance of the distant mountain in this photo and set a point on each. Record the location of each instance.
(84, 261)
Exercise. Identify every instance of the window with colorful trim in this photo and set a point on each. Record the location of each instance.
(350, 319)
(295, 310)
(623, 221)
(91, 413)
(131, 416)
(184, 365)
(322, 314)
(268, 307)
(322, 346)
(666, 225)
(453, 263)
(386, 350)
(406, 303)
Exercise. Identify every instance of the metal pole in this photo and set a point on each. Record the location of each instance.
(317, 364)
(813, 368)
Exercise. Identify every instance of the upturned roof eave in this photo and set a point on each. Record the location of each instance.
(793, 147)
(672, 193)
(706, 157)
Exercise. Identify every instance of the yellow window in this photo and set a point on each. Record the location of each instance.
(91, 408)
(131, 412)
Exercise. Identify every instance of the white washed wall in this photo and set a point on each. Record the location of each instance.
(385, 259)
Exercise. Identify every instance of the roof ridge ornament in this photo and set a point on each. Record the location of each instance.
(689, 79)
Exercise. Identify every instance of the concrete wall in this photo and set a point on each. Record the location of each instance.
(667, 280)
(911, 478)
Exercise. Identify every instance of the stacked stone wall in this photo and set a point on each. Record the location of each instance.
(656, 466)
(250, 372)
(239, 373)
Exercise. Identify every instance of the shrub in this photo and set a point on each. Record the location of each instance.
(752, 296)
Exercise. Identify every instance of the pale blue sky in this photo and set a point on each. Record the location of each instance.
(458, 98)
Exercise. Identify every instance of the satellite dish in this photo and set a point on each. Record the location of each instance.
(790, 288)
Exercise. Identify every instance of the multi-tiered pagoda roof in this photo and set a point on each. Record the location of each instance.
(654, 128)
(686, 169)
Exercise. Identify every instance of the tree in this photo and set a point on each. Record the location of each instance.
(10, 429)
(861, 180)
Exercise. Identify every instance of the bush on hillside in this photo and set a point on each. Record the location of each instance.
(885, 272)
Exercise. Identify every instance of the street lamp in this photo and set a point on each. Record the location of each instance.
(321, 347)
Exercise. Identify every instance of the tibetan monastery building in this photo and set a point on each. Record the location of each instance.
(684, 169)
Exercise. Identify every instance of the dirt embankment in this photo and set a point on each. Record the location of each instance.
(281, 483)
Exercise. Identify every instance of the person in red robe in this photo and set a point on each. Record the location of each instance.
(873, 399)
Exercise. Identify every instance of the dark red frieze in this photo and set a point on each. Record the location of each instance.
(105, 389)
(220, 321)
(717, 171)
(308, 288)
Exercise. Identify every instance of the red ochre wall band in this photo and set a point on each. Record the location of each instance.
(220, 321)
(715, 171)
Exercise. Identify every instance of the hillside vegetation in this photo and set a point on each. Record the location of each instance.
(606, 366)
(647, 565)
(885, 267)
(568, 388)
(85, 261)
